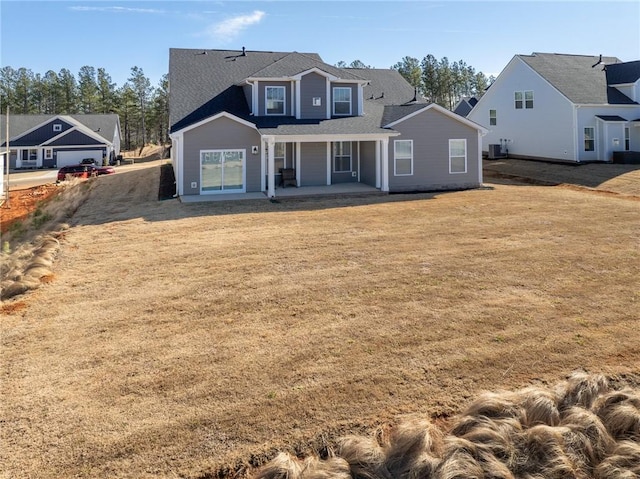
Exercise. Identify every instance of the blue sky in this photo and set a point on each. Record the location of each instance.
(118, 35)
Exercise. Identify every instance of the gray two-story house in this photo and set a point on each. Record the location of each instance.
(244, 121)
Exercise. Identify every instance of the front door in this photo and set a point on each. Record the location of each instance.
(222, 171)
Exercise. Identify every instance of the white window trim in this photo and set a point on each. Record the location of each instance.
(593, 138)
(334, 100)
(521, 100)
(350, 156)
(284, 100)
(57, 127)
(466, 163)
(494, 117)
(525, 100)
(48, 153)
(223, 191)
(396, 157)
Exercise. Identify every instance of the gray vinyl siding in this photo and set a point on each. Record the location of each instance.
(220, 134)
(313, 168)
(354, 96)
(346, 177)
(42, 134)
(313, 85)
(430, 132)
(368, 163)
(75, 138)
(262, 97)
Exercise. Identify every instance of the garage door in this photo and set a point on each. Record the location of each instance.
(66, 158)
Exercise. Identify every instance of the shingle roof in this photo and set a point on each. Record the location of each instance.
(576, 77)
(621, 73)
(103, 125)
(610, 118)
(295, 63)
(198, 77)
(386, 86)
(369, 123)
(202, 85)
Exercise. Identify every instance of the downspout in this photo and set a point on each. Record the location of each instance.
(576, 135)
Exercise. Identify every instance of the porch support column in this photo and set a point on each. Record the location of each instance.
(328, 163)
(271, 167)
(385, 165)
(378, 182)
(298, 162)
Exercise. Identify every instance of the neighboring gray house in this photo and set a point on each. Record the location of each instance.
(573, 108)
(54, 141)
(240, 119)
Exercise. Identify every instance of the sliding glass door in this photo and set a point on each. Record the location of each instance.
(222, 171)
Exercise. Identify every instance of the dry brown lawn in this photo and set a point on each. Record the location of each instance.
(198, 340)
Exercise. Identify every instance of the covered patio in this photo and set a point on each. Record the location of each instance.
(341, 189)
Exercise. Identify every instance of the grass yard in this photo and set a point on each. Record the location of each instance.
(198, 340)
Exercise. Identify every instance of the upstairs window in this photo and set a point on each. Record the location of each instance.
(493, 119)
(523, 99)
(274, 100)
(341, 156)
(518, 100)
(342, 101)
(528, 99)
(589, 138)
(57, 127)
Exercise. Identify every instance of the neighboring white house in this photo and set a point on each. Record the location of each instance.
(572, 108)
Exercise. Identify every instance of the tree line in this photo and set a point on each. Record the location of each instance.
(441, 81)
(436, 80)
(143, 109)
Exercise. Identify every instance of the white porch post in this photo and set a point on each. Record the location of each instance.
(328, 163)
(378, 182)
(298, 162)
(271, 167)
(358, 162)
(385, 164)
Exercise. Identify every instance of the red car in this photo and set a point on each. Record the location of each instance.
(84, 171)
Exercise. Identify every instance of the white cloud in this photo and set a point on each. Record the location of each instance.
(115, 9)
(231, 27)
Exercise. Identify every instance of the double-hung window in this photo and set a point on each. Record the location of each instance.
(458, 156)
(341, 101)
(341, 156)
(493, 118)
(523, 99)
(403, 157)
(275, 100)
(518, 100)
(589, 138)
(528, 99)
